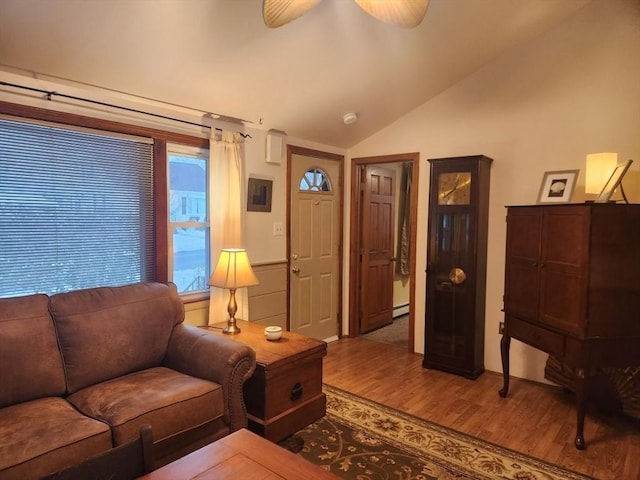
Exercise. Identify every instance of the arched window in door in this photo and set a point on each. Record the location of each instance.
(315, 180)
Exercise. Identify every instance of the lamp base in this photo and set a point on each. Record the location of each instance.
(231, 328)
(232, 308)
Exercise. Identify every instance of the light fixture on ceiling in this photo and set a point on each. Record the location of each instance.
(350, 118)
(401, 13)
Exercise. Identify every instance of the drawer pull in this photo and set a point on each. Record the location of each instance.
(296, 392)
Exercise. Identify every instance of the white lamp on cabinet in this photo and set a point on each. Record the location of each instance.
(599, 168)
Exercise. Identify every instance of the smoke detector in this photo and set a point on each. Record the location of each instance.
(350, 118)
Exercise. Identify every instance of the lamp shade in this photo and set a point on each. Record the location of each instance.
(600, 166)
(233, 270)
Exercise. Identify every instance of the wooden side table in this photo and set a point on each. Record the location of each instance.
(285, 392)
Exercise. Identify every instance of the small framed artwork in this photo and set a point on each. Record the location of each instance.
(615, 181)
(259, 193)
(557, 187)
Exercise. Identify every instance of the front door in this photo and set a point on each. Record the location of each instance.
(378, 206)
(314, 244)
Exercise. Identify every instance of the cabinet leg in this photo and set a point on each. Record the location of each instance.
(580, 408)
(505, 344)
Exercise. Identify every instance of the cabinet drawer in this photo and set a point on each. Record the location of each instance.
(535, 336)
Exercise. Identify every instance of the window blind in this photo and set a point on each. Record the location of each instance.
(76, 209)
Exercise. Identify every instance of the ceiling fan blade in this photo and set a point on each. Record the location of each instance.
(401, 13)
(280, 12)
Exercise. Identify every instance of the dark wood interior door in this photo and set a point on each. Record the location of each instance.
(376, 294)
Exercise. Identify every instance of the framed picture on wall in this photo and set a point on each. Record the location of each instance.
(259, 193)
(557, 187)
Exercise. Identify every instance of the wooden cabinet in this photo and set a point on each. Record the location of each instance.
(572, 287)
(457, 263)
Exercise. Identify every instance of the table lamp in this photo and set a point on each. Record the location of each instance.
(232, 271)
(600, 166)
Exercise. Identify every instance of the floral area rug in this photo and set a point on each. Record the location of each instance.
(362, 440)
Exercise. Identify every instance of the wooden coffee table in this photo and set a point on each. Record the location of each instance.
(241, 455)
(285, 392)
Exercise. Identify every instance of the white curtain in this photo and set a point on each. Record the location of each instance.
(226, 204)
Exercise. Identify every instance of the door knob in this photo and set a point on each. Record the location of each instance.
(295, 269)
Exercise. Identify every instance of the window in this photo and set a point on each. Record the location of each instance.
(315, 180)
(189, 260)
(76, 209)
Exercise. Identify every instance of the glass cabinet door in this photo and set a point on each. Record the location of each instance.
(452, 261)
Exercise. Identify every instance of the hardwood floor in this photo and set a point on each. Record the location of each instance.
(535, 419)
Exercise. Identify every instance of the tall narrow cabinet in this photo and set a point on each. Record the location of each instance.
(572, 288)
(457, 264)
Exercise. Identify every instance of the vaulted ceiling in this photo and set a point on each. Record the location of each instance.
(217, 56)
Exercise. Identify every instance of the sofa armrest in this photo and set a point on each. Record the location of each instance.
(196, 352)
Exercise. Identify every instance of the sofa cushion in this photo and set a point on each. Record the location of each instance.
(45, 435)
(107, 332)
(29, 353)
(169, 401)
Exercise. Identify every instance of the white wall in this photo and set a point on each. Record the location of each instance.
(262, 246)
(541, 106)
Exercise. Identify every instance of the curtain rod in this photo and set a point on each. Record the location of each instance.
(51, 93)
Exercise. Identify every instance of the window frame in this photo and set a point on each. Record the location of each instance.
(315, 188)
(160, 158)
(194, 152)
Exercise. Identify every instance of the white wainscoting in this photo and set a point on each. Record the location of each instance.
(268, 300)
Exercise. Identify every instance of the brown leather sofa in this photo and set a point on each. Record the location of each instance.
(81, 372)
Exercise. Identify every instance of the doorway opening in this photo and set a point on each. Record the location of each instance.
(359, 245)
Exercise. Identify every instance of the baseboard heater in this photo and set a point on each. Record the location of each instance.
(399, 310)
